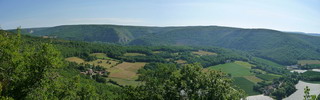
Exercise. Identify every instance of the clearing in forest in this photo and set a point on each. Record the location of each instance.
(181, 61)
(75, 59)
(126, 70)
(236, 70)
(134, 54)
(304, 62)
(203, 53)
(100, 55)
(155, 52)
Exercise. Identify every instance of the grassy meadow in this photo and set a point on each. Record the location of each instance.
(240, 71)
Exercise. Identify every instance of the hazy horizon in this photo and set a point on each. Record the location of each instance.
(284, 15)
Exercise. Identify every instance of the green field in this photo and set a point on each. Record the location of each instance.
(236, 70)
(124, 82)
(253, 79)
(268, 77)
(240, 71)
(100, 55)
(245, 84)
(267, 62)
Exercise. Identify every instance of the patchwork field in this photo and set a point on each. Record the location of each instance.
(107, 63)
(124, 73)
(134, 54)
(245, 84)
(253, 79)
(304, 62)
(203, 53)
(240, 71)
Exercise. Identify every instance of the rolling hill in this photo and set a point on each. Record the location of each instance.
(281, 47)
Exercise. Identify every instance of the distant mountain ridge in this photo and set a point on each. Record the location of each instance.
(269, 44)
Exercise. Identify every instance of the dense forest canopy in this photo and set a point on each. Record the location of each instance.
(32, 68)
(36, 67)
(281, 47)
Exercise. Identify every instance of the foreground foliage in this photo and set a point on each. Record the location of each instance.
(190, 82)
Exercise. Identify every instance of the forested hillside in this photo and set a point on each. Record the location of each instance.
(33, 68)
(90, 70)
(281, 47)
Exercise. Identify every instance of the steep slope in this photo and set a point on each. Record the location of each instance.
(278, 46)
(281, 47)
(101, 33)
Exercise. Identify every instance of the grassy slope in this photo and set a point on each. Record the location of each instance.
(268, 77)
(234, 69)
(245, 84)
(282, 47)
(240, 71)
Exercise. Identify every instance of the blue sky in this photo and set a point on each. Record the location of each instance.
(284, 15)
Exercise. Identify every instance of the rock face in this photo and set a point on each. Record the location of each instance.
(298, 95)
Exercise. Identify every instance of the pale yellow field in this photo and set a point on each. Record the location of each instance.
(124, 73)
(202, 53)
(134, 54)
(253, 79)
(304, 62)
(157, 51)
(180, 61)
(75, 59)
(126, 70)
(246, 64)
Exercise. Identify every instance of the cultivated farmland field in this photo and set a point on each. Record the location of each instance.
(236, 70)
(180, 61)
(253, 79)
(268, 77)
(75, 59)
(126, 70)
(304, 62)
(240, 71)
(134, 54)
(203, 53)
(124, 73)
(100, 55)
(245, 84)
